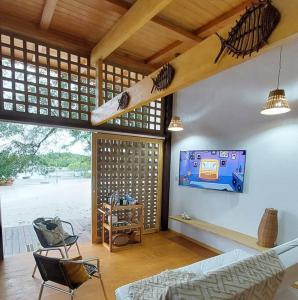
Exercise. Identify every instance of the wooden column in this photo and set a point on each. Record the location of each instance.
(94, 212)
(99, 96)
(1, 237)
(166, 163)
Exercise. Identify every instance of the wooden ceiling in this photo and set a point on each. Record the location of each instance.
(79, 24)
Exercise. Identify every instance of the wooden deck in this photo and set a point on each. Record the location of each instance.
(22, 239)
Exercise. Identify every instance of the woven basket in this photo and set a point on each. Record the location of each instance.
(268, 228)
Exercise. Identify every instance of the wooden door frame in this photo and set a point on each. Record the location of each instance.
(1, 237)
(125, 137)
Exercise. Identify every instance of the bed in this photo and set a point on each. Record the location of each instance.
(288, 254)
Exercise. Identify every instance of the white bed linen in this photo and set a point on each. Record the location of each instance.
(204, 266)
(288, 254)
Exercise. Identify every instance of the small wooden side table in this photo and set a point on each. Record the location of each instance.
(110, 228)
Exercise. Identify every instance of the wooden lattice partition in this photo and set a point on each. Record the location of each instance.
(130, 165)
(43, 84)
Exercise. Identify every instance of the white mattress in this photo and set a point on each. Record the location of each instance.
(288, 254)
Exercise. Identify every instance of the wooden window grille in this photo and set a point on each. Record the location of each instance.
(117, 80)
(42, 81)
(130, 165)
(50, 85)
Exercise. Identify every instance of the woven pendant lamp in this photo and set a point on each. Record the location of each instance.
(175, 124)
(277, 102)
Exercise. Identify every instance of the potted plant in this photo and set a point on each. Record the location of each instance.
(6, 181)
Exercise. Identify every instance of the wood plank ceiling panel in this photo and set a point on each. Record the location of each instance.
(28, 10)
(148, 40)
(191, 14)
(86, 19)
(89, 20)
(195, 11)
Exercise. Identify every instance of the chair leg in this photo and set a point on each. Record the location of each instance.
(78, 248)
(35, 267)
(66, 252)
(103, 288)
(34, 270)
(71, 294)
(40, 292)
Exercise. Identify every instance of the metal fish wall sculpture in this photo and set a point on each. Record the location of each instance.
(251, 31)
(163, 78)
(123, 101)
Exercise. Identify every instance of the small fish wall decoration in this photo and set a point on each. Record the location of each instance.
(163, 78)
(251, 31)
(123, 100)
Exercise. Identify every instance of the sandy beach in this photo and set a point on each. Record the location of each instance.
(28, 199)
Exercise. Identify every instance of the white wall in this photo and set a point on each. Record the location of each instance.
(222, 112)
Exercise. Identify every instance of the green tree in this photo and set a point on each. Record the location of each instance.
(8, 167)
(19, 151)
(81, 136)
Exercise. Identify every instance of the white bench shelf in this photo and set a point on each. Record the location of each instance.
(233, 235)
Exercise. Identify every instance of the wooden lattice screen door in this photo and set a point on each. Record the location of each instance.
(130, 165)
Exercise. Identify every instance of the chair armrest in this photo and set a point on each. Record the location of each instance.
(50, 249)
(86, 260)
(68, 223)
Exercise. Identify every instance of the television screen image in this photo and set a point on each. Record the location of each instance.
(213, 169)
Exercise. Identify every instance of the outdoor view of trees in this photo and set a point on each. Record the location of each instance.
(42, 150)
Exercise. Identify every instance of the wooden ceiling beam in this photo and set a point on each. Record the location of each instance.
(163, 51)
(47, 14)
(212, 24)
(184, 34)
(131, 63)
(198, 63)
(224, 17)
(135, 18)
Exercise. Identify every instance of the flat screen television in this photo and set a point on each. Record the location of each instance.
(213, 169)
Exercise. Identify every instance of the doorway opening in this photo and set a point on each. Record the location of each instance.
(44, 172)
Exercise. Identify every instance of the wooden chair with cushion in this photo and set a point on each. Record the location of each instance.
(71, 273)
(65, 242)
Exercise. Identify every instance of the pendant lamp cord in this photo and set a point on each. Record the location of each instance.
(279, 67)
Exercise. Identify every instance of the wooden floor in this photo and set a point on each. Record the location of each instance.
(158, 252)
(22, 239)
